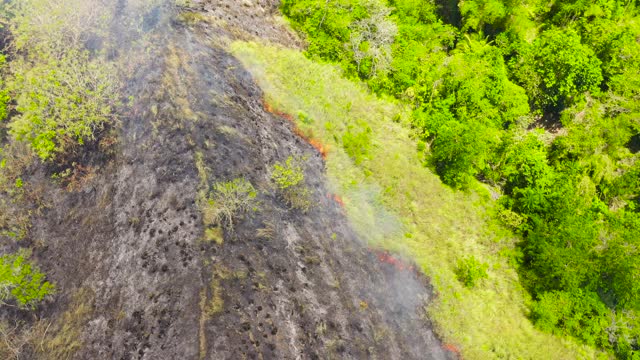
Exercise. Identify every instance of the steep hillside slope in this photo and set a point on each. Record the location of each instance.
(394, 201)
(139, 271)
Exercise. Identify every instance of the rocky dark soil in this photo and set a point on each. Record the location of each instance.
(126, 248)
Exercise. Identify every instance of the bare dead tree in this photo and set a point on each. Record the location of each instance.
(371, 38)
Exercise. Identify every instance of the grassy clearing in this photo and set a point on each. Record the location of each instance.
(412, 212)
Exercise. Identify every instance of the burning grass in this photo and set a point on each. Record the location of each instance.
(384, 256)
(397, 204)
(337, 199)
(306, 135)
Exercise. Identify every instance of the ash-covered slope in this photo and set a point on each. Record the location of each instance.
(137, 278)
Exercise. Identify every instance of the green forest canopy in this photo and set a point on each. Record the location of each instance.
(538, 98)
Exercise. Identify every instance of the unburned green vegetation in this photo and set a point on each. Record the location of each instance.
(289, 180)
(228, 200)
(21, 283)
(470, 271)
(64, 95)
(62, 101)
(45, 339)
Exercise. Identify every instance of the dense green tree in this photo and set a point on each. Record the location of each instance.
(578, 313)
(564, 12)
(620, 55)
(622, 259)
(478, 14)
(458, 152)
(557, 68)
(418, 51)
(524, 164)
(475, 93)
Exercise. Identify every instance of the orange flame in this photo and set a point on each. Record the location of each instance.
(388, 258)
(322, 149)
(336, 198)
(267, 106)
(452, 348)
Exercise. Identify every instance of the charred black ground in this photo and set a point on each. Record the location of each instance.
(136, 278)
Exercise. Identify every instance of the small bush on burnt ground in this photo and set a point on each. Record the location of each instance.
(288, 178)
(227, 201)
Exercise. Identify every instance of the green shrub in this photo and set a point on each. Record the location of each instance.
(288, 174)
(510, 218)
(289, 180)
(63, 93)
(4, 92)
(22, 282)
(61, 101)
(470, 271)
(458, 152)
(578, 313)
(357, 143)
(227, 200)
